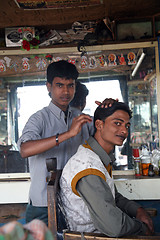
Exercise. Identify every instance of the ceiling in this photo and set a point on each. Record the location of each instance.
(125, 10)
(11, 15)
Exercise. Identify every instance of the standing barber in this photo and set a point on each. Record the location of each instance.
(54, 131)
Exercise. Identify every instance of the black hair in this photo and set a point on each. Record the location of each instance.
(102, 113)
(62, 69)
(80, 95)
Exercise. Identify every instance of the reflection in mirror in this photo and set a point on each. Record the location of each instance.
(3, 117)
(22, 96)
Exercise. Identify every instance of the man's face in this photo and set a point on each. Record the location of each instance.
(62, 91)
(114, 130)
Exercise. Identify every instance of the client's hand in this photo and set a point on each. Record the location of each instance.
(107, 102)
(143, 216)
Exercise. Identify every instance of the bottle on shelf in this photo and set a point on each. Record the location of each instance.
(137, 162)
(151, 172)
(146, 161)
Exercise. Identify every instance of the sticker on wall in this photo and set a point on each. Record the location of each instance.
(131, 58)
(14, 66)
(112, 59)
(121, 59)
(72, 60)
(57, 59)
(2, 66)
(102, 61)
(49, 57)
(41, 63)
(8, 61)
(92, 62)
(25, 64)
(83, 63)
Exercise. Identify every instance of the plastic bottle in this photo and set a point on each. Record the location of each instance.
(146, 161)
(151, 171)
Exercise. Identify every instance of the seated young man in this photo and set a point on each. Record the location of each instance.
(90, 198)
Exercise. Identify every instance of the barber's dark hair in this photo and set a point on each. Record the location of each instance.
(102, 113)
(80, 95)
(62, 69)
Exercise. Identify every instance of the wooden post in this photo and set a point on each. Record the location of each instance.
(52, 221)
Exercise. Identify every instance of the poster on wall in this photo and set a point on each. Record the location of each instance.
(14, 36)
(54, 4)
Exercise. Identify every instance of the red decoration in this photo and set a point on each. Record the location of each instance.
(34, 42)
(49, 57)
(26, 45)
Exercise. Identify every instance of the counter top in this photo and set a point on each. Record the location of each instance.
(14, 188)
(137, 188)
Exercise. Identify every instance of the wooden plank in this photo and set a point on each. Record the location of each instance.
(12, 212)
(96, 236)
(52, 222)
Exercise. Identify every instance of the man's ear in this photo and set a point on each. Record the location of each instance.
(98, 124)
(48, 85)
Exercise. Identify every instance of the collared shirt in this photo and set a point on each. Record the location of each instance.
(109, 217)
(43, 124)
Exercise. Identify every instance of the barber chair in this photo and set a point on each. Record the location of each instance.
(56, 218)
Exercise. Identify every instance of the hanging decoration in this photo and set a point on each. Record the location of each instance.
(112, 59)
(102, 61)
(83, 63)
(131, 58)
(15, 66)
(2, 66)
(122, 59)
(41, 63)
(72, 60)
(8, 61)
(25, 64)
(49, 57)
(57, 59)
(30, 44)
(94, 61)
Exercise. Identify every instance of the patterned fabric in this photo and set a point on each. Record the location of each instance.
(83, 163)
(35, 230)
(109, 167)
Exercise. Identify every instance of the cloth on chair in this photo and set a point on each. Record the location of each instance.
(34, 230)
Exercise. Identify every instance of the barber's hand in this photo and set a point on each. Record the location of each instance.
(78, 122)
(143, 216)
(107, 102)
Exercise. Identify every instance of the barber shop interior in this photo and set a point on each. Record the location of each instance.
(115, 48)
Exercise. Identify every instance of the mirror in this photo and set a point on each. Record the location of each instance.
(104, 68)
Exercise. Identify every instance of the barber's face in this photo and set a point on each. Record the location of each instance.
(62, 91)
(114, 130)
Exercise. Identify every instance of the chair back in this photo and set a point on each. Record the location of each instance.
(56, 219)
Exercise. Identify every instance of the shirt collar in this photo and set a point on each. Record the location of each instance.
(96, 147)
(57, 111)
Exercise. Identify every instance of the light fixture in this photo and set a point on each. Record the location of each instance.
(138, 64)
